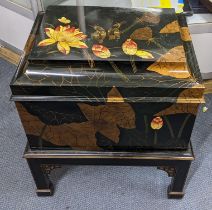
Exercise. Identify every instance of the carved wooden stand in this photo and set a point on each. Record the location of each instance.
(175, 163)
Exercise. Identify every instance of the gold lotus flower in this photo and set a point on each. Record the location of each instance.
(129, 47)
(157, 123)
(64, 20)
(65, 37)
(101, 51)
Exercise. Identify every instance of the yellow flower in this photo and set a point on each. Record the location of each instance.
(64, 20)
(65, 37)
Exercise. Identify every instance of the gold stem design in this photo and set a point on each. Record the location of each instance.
(117, 70)
(154, 52)
(132, 62)
(159, 45)
(50, 25)
(128, 28)
(155, 137)
(40, 136)
(89, 58)
(146, 126)
(170, 127)
(183, 126)
(51, 52)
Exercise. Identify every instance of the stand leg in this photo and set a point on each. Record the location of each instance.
(175, 190)
(42, 181)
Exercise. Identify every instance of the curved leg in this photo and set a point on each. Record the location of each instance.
(41, 178)
(175, 190)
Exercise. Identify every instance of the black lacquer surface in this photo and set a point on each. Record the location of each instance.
(139, 86)
(106, 18)
(43, 75)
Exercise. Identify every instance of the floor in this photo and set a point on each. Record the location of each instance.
(97, 187)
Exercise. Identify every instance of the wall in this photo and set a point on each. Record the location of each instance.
(200, 26)
(14, 28)
(203, 49)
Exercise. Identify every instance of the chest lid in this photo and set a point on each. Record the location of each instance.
(97, 48)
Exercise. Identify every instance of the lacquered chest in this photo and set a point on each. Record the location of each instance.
(117, 79)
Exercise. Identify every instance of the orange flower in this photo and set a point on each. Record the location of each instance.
(157, 123)
(65, 37)
(129, 47)
(101, 51)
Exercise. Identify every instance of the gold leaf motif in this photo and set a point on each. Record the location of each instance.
(185, 107)
(179, 109)
(150, 17)
(185, 34)
(144, 54)
(32, 124)
(105, 119)
(114, 96)
(142, 34)
(73, 134)
(195, 92)
(170, 28)
(172, 64)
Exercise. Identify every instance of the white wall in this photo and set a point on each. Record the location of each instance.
(203, 49)
(200, 26)
(14, 28)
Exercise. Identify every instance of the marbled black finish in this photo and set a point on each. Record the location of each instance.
(68, 77)
(41, 118)
(70, 101)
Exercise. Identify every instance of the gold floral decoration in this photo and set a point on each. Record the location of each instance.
(99, 34)
(129, 47)
(157, 123)
(101, 51)
(65, 37)
(64, 20)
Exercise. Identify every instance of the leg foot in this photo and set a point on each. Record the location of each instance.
(41, 178)
(174, 195)
(46, 192)
(175, 190)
